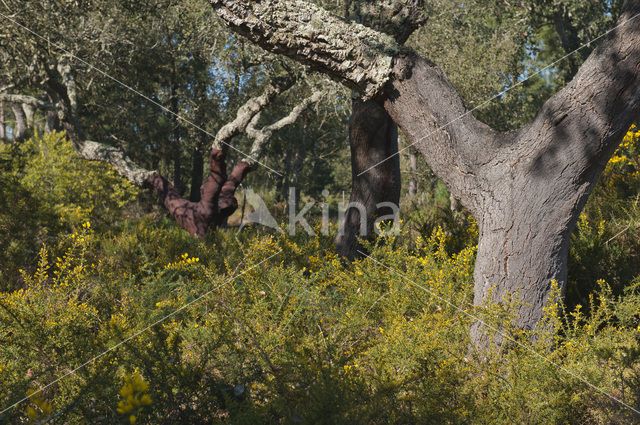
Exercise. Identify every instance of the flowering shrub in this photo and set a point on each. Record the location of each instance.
(134, 397)
(302, 338)
(140, 323)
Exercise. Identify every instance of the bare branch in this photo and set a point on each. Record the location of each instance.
(26, 100)
(262, 136)
(93, 151)
(246, 113)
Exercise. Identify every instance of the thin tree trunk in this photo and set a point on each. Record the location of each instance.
(413, 169)
(197, 173)
(176, 151)
(20, 127)
(373, 137)
(2, 122)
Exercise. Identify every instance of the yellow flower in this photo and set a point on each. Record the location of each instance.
(31, 413)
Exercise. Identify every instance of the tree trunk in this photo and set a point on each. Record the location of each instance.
(413, 169)
(2, 122)
(373, 137)
(176, 151)
(20, 127)
(197, 172)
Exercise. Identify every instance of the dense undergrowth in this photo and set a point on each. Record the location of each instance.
(252, 327)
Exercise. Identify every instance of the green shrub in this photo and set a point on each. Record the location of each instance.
(301, 338)
(46, 190)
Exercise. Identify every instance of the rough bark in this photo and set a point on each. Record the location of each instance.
(353, 54)
(373, 137)
(398, 18)
(525, 188)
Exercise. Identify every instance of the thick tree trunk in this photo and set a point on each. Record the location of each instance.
(373, 137)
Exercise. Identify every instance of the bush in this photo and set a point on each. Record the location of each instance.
(46, 190)
(301, 338)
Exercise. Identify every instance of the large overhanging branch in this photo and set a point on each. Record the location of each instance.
(415, 92)
(353, 54)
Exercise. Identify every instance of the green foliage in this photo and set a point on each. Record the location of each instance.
(301, 338)
(605, 244)
(75, 190)
(45, 189)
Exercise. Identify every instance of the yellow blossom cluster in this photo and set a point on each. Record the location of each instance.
(134, 395)
(39, 410)
(184, 260)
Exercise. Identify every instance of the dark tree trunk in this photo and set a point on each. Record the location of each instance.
(197, 172)
(20, 127)
(177, 172)
(176, 151)
(373, 137)
(53, 123)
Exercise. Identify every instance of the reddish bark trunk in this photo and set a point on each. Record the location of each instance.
(217, 201)
(227, 202)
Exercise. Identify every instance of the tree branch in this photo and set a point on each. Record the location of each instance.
(414, 91)
(121, 163)
(353, 54)
(261, 136)
(246, 112)
(398, 18)
(26, 100)
(580, 127)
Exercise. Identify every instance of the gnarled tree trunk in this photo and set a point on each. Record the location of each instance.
(373, 137)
